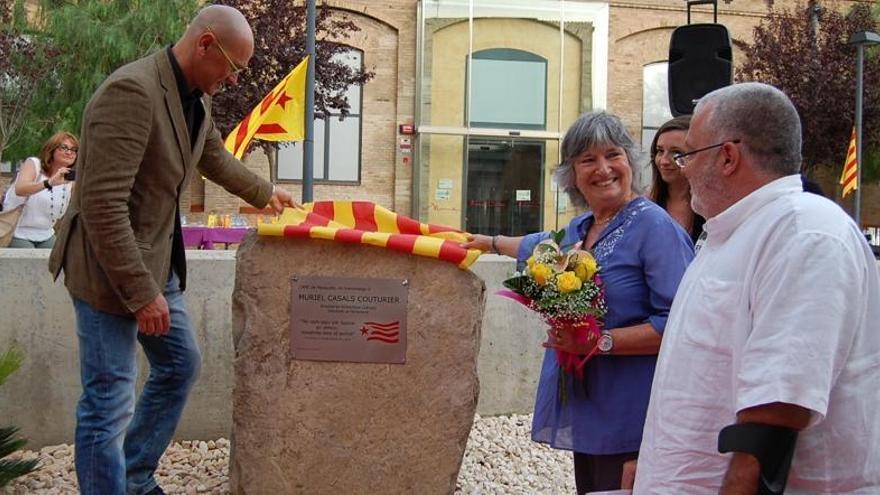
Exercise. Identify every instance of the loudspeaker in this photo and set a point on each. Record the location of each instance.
(700, 61)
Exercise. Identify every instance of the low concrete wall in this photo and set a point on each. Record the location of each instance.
(36, 314)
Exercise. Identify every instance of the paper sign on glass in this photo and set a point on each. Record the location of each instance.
(361, 320)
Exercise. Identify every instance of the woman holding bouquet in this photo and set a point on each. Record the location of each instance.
(642, 254)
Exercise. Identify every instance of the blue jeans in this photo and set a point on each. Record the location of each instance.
(118, 445)
(24, 243)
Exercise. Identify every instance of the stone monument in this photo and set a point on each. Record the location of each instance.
(308, 426)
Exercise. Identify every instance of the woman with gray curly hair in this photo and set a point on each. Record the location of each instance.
(642, 253)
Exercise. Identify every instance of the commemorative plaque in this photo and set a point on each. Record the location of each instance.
(361, 320)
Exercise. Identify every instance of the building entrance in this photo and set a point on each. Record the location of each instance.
(504, 186)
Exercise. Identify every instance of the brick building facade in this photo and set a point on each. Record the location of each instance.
(400, 41)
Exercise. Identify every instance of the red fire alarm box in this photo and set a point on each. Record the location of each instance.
(407, 129)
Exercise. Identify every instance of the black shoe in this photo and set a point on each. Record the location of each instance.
(155, 491)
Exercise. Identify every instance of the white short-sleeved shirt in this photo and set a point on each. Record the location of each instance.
(781, 304)
(41, 209)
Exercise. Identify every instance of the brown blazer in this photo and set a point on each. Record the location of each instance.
(114, 242)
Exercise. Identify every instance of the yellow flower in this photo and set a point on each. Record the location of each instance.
(541, 273)
(568, 282)
(531, 262)
(585, 268)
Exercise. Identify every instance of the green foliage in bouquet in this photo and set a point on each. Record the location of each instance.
(560, 286)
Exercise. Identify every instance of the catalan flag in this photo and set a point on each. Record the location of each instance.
(367, 223)
(849, 178)
(388, 333)
(279, 117)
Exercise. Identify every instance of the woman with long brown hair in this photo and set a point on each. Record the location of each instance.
(44, 185)
(670, 189)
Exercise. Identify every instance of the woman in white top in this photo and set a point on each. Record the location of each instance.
(43, 187)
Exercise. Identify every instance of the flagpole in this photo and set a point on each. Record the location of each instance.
(309, 113)
(860, 39)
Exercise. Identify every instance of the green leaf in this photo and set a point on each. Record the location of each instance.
(8, 444)
(9, 362)
(558, 236)
(9, 469)
(516, 284)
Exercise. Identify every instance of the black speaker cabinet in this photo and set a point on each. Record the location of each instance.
(700, 61)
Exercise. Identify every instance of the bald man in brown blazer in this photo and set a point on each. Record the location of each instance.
(146, 131)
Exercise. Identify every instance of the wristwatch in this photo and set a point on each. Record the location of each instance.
(46, 184)
(605, 343)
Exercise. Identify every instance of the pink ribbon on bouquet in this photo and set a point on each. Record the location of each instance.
(570, 363)
(582, 330)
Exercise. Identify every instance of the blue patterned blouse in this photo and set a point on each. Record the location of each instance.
(643, 254)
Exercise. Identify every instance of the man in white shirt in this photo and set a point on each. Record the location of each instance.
(775, 323)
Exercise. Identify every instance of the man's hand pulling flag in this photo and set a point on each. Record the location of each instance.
(282, 198)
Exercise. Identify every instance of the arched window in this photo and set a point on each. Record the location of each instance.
(655, 100)
(509, 89)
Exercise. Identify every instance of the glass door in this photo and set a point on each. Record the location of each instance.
(504, 186)
(493, 104)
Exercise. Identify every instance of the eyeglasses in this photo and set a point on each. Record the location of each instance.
(67, 149)
(682, 159)
(236, 70)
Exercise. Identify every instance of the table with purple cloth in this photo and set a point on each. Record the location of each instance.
(202, 237)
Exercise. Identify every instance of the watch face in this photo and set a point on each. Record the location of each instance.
(605, 343)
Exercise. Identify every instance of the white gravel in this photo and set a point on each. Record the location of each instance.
(500, 459)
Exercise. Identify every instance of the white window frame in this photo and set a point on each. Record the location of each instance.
(289, 155)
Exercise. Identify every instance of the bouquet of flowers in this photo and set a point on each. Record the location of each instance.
(566, 290)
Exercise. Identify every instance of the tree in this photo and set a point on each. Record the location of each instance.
(10, 361)
(279, 45)
(93, 38)
(23, 65)
(816, 69)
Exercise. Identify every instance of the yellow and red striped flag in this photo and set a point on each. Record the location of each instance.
(368, 223)
(279, 117)
(849, 178)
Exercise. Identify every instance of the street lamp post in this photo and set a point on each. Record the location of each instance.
(860, 40)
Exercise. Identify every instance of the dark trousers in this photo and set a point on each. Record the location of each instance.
(595, 473)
